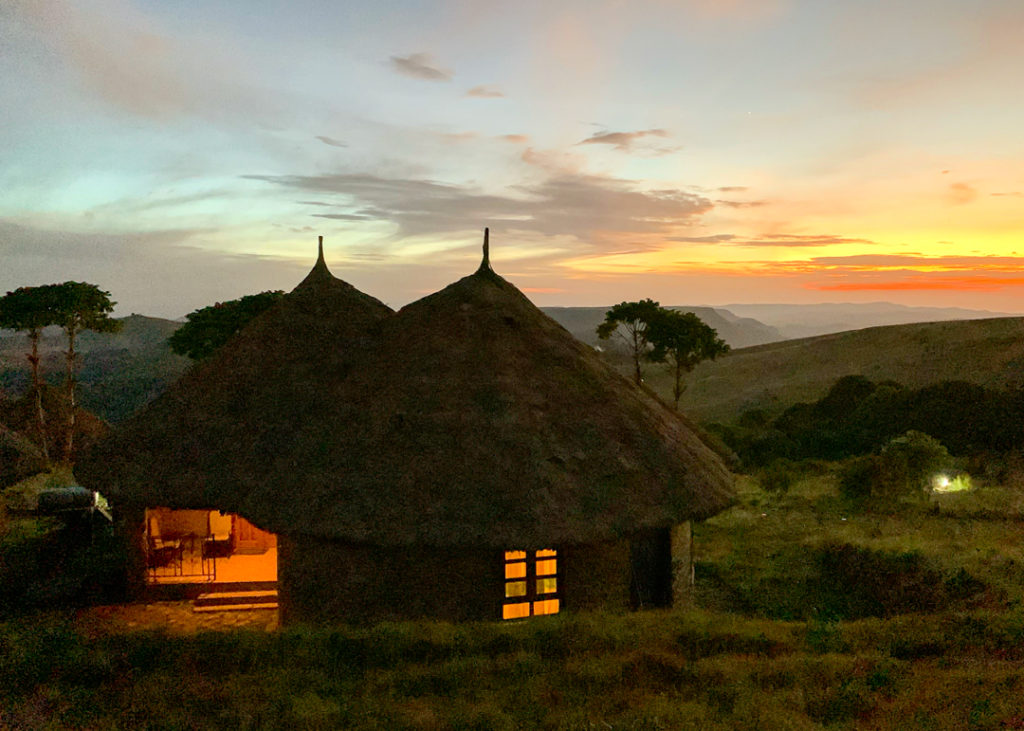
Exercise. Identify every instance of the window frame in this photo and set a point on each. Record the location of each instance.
(529, 576)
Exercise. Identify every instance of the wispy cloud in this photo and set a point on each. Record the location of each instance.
(421, 66)
(961, 193)
(780, 240)
(485, 92)
(331, 141)
(515, 139)
(980, 283)
(568, 204)
(125, 57)
(622, 140)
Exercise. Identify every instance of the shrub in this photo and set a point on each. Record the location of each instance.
(779, 476)
(904, 468)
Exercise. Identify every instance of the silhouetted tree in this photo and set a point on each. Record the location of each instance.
(29, 310)
(634, 318)
(78, 306)
(682, 340)
(208, 328)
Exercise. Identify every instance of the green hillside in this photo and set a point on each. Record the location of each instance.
(117, 372)
(773, 376)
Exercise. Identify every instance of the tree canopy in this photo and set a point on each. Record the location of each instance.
(208, 328)
(682, 340)
(634, 318)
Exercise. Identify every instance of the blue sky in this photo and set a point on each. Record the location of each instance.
(694, 151)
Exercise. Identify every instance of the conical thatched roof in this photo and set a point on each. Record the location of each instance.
(229, 425)
(478, 420)
(468, 418)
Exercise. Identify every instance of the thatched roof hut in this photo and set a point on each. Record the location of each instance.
(396, 453)
(478, 420)
(228, 427)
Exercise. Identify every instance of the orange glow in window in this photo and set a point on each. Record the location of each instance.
(547, 586)
(515, 570)
(547, 567)
(548, 606)
(515, 611)
(515, 555)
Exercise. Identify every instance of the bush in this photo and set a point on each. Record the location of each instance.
(779, 476)
(904, 468)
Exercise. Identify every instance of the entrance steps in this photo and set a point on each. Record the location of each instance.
(236, 598)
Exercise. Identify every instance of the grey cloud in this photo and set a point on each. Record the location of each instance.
(331, 141)
(563, 205)
(163, 273)
(420, 66)
(484, 92)
(732, 189)
(624, 140)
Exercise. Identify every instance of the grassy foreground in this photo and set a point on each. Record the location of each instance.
(658, 670)
(809, 616)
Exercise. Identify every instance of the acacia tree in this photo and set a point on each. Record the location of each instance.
(78, 306)
(682, 340)
(631, 320)
(210, 327)
(29, 310)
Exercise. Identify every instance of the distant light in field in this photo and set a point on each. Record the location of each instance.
(943, 483)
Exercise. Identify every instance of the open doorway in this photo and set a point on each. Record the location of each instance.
(207, 546)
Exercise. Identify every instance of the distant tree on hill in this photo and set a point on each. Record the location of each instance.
(682, 340)
(634, 318)
(29, 310)
(208, 328)
(78, 306)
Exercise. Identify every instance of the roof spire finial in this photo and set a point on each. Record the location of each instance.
(320, 251)
(485, 265)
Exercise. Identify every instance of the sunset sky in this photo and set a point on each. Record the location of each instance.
(693, 151)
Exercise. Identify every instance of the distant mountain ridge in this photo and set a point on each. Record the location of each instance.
(118, 372)
(801, 321)
(739, 332)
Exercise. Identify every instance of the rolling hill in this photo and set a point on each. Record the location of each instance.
(117, 372)
(773, 376)
(739, 332)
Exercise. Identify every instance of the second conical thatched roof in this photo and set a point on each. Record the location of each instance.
(229, 425)
(478, 420)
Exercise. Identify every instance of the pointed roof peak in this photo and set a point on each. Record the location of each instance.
(319, 272)
(485, 264)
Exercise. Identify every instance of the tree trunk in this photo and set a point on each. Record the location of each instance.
(69, 437)
(37, 388)
(636, 356)
(677, 390)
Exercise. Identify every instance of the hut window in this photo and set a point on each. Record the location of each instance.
(531, 583)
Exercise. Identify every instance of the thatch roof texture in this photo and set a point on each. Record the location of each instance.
(478, 420)
(229, 425)
(468, 418)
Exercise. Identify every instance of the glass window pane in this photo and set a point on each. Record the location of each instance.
(547, 586)
(515, 570)
(547, 553)
(547, 606)
(547, 567)
(515, 588)
(515, 555)
(515, 611)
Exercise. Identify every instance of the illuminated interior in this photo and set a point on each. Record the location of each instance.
(532, 585)
(195, 546)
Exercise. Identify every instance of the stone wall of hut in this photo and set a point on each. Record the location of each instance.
(330, 581)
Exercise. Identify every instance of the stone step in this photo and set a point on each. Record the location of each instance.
(224, 601)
